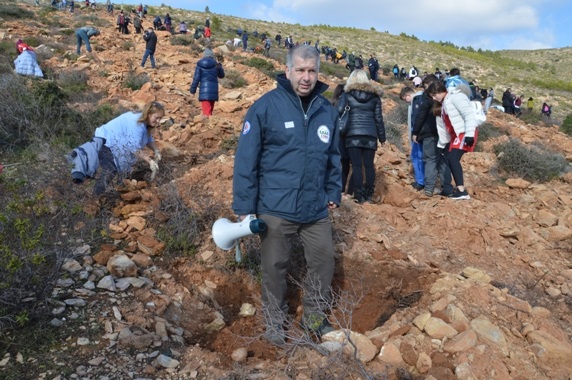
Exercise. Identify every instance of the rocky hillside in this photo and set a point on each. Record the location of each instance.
(427, 288)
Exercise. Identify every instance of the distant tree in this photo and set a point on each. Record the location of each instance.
(216, 23)
(207, 10)
(372, 29)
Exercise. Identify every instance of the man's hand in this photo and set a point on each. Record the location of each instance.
(414, 138)
(332, 205)
(469, 141)
(157, 155)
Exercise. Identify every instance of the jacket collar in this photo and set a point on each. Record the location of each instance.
(285, 84)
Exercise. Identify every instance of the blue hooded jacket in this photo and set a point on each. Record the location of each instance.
(287, 163)
(207, 73)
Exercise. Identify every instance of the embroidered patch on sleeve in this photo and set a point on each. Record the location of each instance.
(246, 128)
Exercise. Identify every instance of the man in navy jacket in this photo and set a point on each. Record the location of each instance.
(287, 172)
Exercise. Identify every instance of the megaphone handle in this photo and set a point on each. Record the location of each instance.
(238, 253)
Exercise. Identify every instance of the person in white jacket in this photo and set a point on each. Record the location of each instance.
(457, 127)
(125, 138)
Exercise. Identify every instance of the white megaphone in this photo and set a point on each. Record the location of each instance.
(226, 233)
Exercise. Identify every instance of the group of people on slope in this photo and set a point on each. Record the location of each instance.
(443, 128)
(295, 126)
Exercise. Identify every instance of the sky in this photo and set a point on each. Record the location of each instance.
(484, 24)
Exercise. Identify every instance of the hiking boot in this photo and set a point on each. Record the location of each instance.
(418, 186)
(368, 193)
(428, 193)
(320, 329)
(460, 195)
(275, 335)
(443, 193)
(359, 195)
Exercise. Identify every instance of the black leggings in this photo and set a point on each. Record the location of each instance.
(454, 157)
(362, 157)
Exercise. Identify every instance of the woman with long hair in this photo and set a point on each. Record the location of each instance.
(365, 129)
(125, 138)
(457, 127)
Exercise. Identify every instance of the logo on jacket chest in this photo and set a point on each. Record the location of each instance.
(324, 134)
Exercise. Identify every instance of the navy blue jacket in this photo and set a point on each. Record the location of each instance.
(207, 73)
(150, 41)
(287, 163)
(424, 123)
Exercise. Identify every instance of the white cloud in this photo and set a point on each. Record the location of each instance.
(446, 20)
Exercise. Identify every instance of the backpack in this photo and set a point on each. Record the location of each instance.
(478, 111)
(267, 44)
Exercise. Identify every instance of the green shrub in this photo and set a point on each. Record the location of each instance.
(135, 81)
(386, 69)
(73, 81)
(183, 40)
(337, 70)
(127, 45)
(33, 110)
(262, 65)
(232, 79)
(394, 125)
(532, 118)
(11, 11)
(7, 56)
(36, 236)
(488, 131)
(186, 228)
(534, 163)
(567, 125)
(216, 22)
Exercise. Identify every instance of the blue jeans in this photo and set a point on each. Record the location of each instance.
(151, 55)
(81, 36)
(418, 164)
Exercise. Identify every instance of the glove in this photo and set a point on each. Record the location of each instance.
(469, 141)
(157, 155)
(153, 165)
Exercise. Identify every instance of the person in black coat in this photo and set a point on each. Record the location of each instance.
(150, 45)
(424, 132)
(207, 73)
(366, 127)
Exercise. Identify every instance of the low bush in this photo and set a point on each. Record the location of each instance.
(37, 236)
(12, 11)
(73, 81)
(7, 55)
(262, 65)
(567, 125)
(183, 40)
(33, 110)
(135, 81)
(232, 79)
(394, 121)
(488, 131)
(337, 70)
(533, 118)
(186, 228)
(534, 163)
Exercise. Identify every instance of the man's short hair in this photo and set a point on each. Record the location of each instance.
(455, 71)
(303, 51)
(405, 91)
